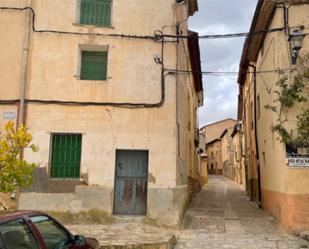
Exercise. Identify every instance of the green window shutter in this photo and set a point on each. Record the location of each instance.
(95, 12)
(93, 65)
(66, 155)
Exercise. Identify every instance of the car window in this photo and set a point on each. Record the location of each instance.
(2, 246)
(54, 236)
(16, 235)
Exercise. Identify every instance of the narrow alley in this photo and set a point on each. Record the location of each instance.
(221, 216)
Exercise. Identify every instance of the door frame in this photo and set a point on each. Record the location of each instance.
(115, 179)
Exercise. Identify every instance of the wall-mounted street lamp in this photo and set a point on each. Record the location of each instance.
(296, 40)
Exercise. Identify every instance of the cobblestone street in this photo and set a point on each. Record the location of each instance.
(222, 217)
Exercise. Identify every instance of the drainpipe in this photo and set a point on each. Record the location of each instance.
(24, 68)
(177, 104)
(257, 157)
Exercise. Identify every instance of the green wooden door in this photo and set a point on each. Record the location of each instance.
(66, 155)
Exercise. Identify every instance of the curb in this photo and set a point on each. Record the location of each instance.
(168, 244)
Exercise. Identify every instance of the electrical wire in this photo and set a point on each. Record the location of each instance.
(228, 72)
(224, 36)
(34, 29)
(147, 37)
(157, 37)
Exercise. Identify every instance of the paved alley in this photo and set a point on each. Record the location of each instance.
(222, 217)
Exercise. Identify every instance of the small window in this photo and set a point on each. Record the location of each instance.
(95, 12)
(93, 65)
(66, 155)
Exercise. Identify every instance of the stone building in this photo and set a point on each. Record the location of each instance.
(96, 83)
(227, 153)
(212, 133)
(203, 172)
(277, 178)
(238, 168)
(214, 158)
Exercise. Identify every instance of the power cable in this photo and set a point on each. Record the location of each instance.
(34, 29)
(147, 37)
(158, 37)
(224, 36)
(228, 72)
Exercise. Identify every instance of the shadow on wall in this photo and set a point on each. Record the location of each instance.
(42, 183)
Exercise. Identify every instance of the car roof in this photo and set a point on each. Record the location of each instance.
(5, 216)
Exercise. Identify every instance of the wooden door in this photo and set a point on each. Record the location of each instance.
(131, 182)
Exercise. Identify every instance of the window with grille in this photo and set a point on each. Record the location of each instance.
(93, 65)
(95, 12)
(66, 155)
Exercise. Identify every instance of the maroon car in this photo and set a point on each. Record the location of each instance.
(37, 230)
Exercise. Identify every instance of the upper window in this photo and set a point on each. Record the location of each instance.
(95, 12)
(93, 65)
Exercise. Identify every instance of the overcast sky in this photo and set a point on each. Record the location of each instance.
(220, 17)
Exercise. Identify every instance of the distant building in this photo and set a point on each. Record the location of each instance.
(214, 157)
(96, 82)
(238, 168)
(214, 151)
(227, 153)
(203, 160)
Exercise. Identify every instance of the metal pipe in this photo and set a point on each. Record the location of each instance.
(24, 69)
(257, 157)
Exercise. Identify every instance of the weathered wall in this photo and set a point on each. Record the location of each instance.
(285, 190)
(11, 54)
(227, 153)
(186, 112)
(203, 172)
(249, 131)
(238, 167)
(132, 76)
(214, 159)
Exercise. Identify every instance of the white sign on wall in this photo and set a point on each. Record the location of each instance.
(296, 162)
(9, 115)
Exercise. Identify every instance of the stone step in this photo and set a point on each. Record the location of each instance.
(128, 219)
(165, 243)
(128, 235)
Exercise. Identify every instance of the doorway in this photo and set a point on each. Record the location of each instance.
(131, 173)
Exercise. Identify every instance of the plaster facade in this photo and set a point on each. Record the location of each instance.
(214, 159)
(212, 134)
(214, 130)
(238, 170)
(227, 153)
(167, 131)
(203, 160)
(283, 190)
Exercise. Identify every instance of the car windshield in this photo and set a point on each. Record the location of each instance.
(16, 235)
(54, 236)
